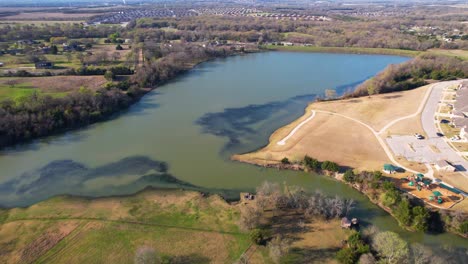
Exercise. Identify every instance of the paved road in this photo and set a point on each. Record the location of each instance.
(430, 127)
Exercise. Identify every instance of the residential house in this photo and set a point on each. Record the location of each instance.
(44, 65)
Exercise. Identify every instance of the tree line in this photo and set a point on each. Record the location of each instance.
(385, 33)
(413, 74)
(38, 115)
(47, 31)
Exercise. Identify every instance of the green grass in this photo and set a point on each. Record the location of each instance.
(111, 230)
(462, 54)
(22, 90)
(123, 240)
(399, 52)
(16, 92)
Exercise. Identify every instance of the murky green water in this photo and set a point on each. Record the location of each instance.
(183, 133)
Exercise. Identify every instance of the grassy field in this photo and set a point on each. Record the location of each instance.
(177, 224)
(15, 88)
(356, 50)
(462, 54)
(333, 137)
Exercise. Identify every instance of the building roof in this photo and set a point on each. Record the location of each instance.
(389, 167)
(460, 122)
(442, 163)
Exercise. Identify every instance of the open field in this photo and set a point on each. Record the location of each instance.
(463, 54)
(343, 146)
(316, 241)
(377, 111)
(105, 230)
(349, 143)
(356, 50)
(406, 127)
(14, 88)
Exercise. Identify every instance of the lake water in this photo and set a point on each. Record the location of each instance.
(182, 134)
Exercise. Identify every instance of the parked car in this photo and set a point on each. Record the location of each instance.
(455, 138)
(418, 136)
(439, 134)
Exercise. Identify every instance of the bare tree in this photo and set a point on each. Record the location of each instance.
(391, 247)
(420, 254)
(278, 247)
(367, 259)
(115, 56)
(250, 217)
(147, 255)
(267, 195)
(330, 93)
(68, 55)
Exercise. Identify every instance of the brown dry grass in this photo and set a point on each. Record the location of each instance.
(59, 83)
(414, 165)
(109, 230)
(345, 141)
(25, 241)
(335, 138)
(453, 178)
(377, 110)
(461, 206)
(110, 49)
(406, 127)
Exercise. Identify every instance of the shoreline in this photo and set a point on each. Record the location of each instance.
(279, 134)
(345, 50)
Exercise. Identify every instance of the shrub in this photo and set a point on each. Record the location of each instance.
(259, 236)
(463, 227)
(349, 176)
(285, 161)
(330, 166)
(346, 256)
(403, 212)
(109, 75)
(420, 218)
(311, 163)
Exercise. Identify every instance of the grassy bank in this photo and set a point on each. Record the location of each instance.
(109, 230)
(354, 50)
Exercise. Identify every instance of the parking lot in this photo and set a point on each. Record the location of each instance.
(418, 150)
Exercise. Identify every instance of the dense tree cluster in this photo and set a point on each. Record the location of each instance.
(37, 115)
(413, 73)
(388, 33)
(270, 196)
(407, 214)
(164, 63)
(47, 31)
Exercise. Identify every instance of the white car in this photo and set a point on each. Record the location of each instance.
(418, 136)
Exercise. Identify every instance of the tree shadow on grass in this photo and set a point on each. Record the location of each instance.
(310, 255)
(189, 259)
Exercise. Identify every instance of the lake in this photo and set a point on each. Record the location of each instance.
(183, 133)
